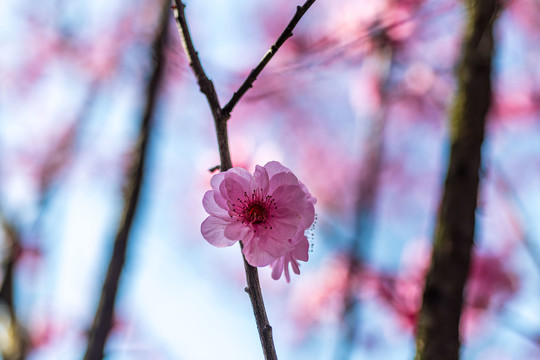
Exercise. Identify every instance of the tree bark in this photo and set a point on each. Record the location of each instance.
(438, 321)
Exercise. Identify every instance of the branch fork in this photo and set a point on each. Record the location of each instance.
(221, 115)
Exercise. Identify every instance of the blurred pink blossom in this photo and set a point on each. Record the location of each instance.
(268, 212)
(491, 284)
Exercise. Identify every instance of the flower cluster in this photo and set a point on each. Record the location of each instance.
(268, 212)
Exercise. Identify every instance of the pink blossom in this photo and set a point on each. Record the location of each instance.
(268, 212)
(300, 252)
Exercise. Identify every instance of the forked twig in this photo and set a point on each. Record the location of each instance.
(220, 121)
(248, 83)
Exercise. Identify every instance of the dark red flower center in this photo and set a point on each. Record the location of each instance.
(256, 213)
(254, 208)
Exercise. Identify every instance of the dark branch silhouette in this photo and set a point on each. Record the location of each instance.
(205, 85)
(442, 303)
(103, 319)
(248, 83)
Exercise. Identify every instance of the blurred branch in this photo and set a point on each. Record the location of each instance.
(442, 303)
(368, 189)
(16, 239)
(368, 186)
(11, 236)
(16, 344)
(248, 83)
(103, 319)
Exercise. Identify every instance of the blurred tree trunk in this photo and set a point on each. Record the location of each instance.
(438, 321)
(103, 319)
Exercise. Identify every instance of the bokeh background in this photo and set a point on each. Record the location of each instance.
(355, 103)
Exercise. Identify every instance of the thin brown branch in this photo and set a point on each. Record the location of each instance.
(442, 303)
(205, 85)
(103, 319)
(248, 83)
(220, 121)
(253, 288)
(207, 88)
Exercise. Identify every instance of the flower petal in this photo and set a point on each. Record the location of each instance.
(262, 178)
(216, 180)
(257, 257)
(277, 268)
(238, 231)
(275, 167)
(289, 196)
(283, 228)
(220, 201)
(213, 230)
(286, 271)
(234, 188)
(301, 250)
(293, 197)
(242, 173)
(310, 197)
(295, 266)
(275, 247)
(211, 207)
(308, 215)
(283, 179)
